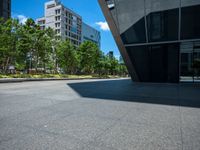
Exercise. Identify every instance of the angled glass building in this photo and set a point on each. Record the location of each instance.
(159, 40)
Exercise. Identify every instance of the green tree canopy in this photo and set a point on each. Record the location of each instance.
(89, 54)
(67, 57)
(29, 48)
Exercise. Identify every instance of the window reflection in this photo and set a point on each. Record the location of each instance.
(135, 34)
(163, 26)
(190, 61)
(190, 22)
(156, 63)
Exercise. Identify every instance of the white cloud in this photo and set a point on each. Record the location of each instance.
(22, 18)
(103, 26)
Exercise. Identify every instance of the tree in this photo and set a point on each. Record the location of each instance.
(89, 54)
(66, 56)
(100, 64)
(26, 44)
(27, 47)
(113, 65)
(51, 60)
(8, 38)
(35, 46)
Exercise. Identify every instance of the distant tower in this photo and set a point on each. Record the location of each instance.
(111, 54)
(121, 61)
(5, 9)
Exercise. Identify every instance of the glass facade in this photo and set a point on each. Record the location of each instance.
(130, 22)
(190, 22)
(156, 20)
(156, 63)
(160, 37)
(135, 34)
(163, 25)
(162, 20)
(190, 61)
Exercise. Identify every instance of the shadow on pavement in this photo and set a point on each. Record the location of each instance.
(125, 90)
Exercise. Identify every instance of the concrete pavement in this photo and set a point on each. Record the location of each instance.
(99, 115)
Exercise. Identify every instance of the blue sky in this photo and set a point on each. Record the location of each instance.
(88, 9)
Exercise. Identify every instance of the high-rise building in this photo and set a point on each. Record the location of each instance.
(110, 54)
(121, 61)
(90, 34)
(5, 9)
(159, 39)
(66, 23)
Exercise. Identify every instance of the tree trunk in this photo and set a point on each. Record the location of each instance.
(6, 66)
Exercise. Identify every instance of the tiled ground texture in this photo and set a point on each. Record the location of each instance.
(99, 115)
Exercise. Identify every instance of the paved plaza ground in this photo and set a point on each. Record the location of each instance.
(99, 115)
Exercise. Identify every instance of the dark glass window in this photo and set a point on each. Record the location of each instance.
(184, 58)
(130, 20)
(139, 56)
(156, 63)
(163, 25)
(190, 22)
(135, 34)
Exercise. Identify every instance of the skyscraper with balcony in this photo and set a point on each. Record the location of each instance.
(158, 39)
(5, 9)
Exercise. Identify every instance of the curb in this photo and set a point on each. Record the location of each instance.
(13, 80)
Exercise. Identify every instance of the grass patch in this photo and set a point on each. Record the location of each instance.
(56, 76)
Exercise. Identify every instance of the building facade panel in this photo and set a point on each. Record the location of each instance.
(160, 5)
(185, 3)
(157, 63)
(163, 25)
(190, 52)
(153, 34)
(126, 15)
(190, 22)
(91, 34)
(141, 65)
(130, 22)
(135, 34)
